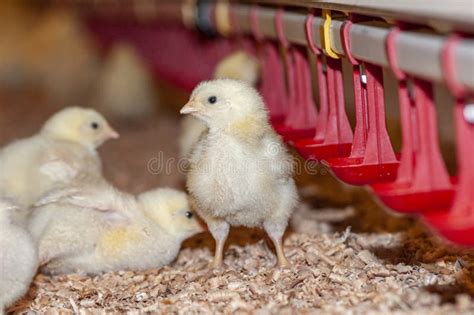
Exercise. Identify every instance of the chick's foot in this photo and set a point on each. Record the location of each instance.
(275, 232)
(219, 230)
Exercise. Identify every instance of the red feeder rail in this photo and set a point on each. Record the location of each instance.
(333, 136)
(272, 86)
(322, 82)
(173, 48)
(245, 42)
(372, 158)
(423, 182)
(301, 115)
(457, 222)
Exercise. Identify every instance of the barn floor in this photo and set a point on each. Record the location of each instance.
(348, 255)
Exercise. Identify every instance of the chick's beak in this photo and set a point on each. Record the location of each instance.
(189, 108)
(110, 133)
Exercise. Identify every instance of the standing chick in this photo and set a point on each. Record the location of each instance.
(18, 258)
(101, 229)
(32, 166)
(240, 173)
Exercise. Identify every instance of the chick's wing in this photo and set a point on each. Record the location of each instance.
(116, 206)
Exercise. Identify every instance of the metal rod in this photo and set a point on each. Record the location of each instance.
(418, 54)
(440, 14)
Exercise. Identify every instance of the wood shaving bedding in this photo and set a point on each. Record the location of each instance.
(332, 273)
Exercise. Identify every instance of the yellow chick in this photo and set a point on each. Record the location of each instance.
(18, 257)
(239, 66)
(101, 229)
(32, 166)
(126, 89)
(241, 173)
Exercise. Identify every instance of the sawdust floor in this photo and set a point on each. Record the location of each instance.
(347, 254)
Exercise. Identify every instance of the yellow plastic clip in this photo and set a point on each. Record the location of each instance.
(326, 35)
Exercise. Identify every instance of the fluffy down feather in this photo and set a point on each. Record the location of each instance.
(241, 173)
(98, 229)
(18, 257)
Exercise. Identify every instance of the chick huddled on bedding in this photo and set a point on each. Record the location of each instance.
(18, 257)
(97, 229)
(240, 172)
(32, 166)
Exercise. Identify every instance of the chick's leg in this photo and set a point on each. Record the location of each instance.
(219, 230)
(275, 232)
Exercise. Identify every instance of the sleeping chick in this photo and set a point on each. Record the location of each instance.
(101, 229)
(241, 173)
(18, 258)
(32, 166)
(238, 65)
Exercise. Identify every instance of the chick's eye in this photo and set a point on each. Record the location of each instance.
(212, 99)
(95, 125)
(188, 214)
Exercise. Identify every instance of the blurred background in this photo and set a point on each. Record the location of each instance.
(49, 59)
